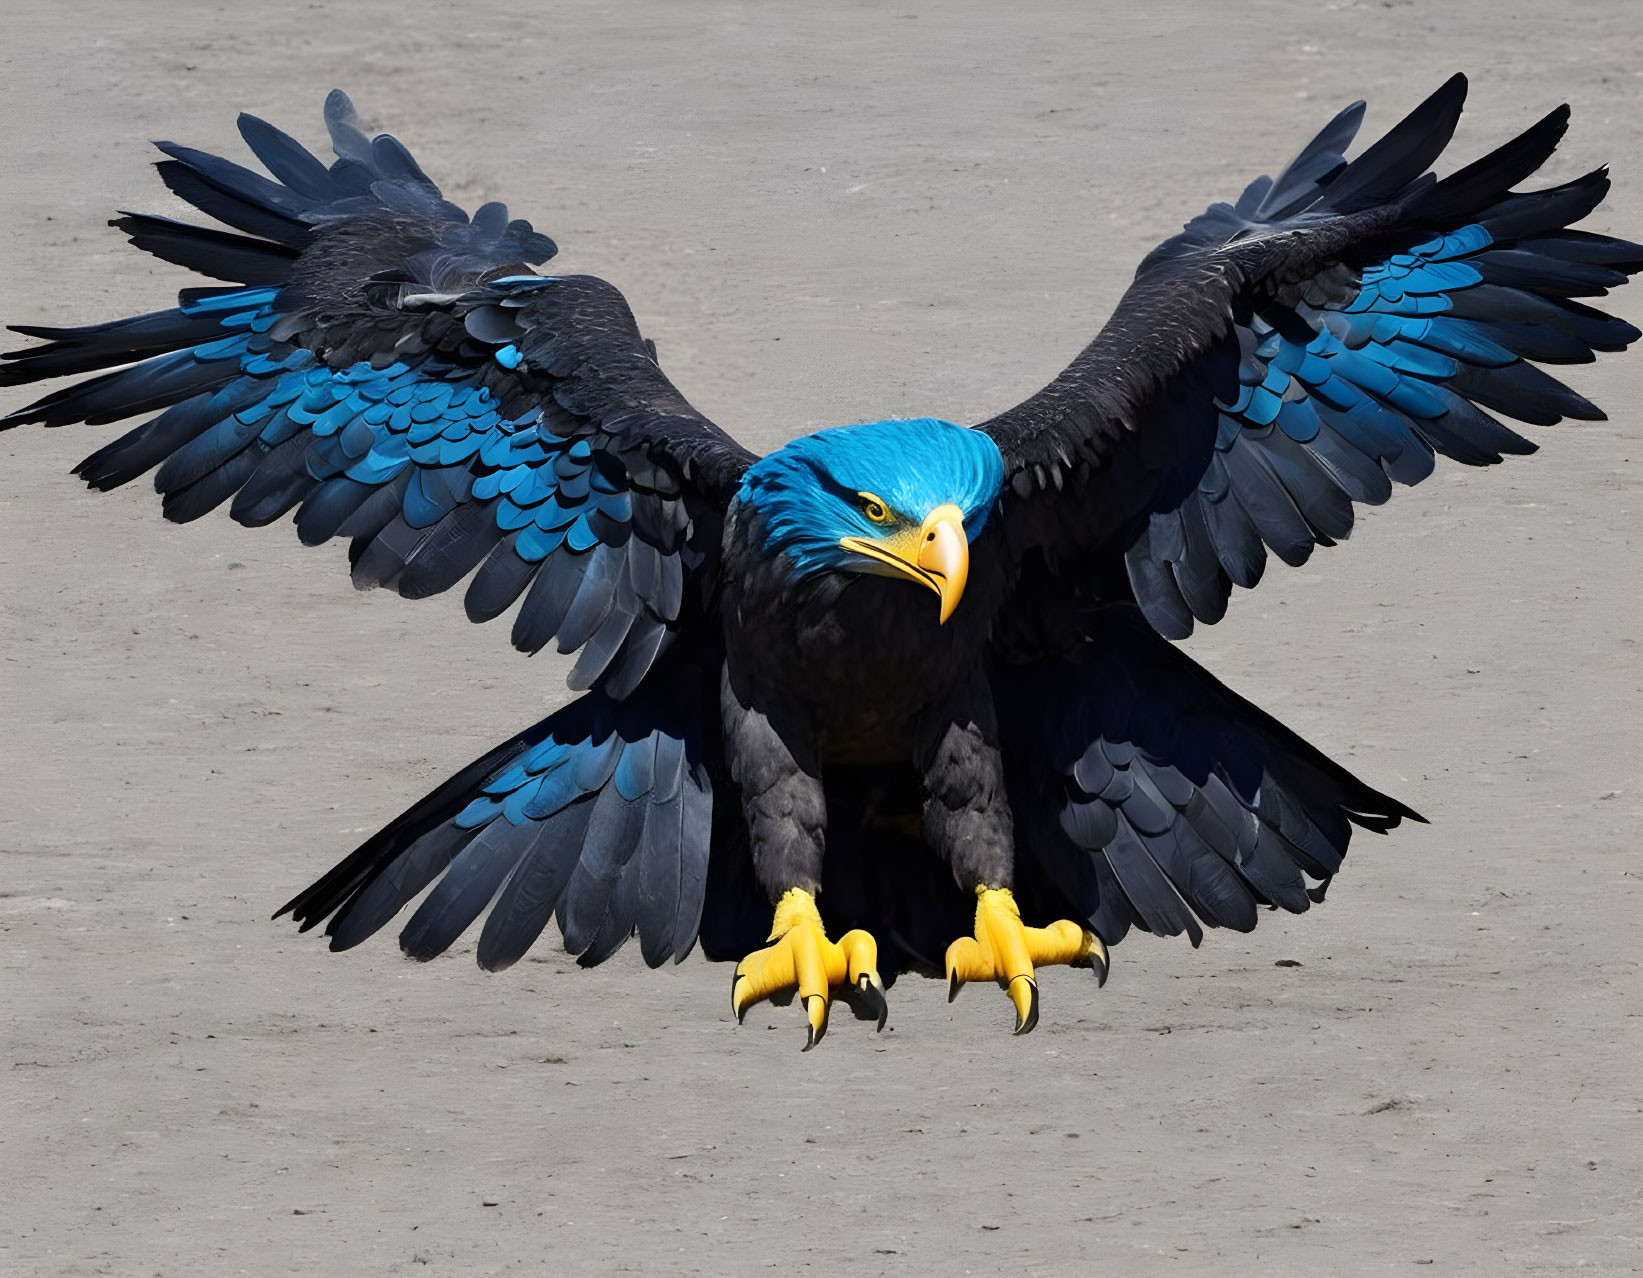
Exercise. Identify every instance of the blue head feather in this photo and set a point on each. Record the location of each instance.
(809, 492)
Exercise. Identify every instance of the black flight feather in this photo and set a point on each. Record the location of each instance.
(535, 888)
(218, 254)
(474, 877)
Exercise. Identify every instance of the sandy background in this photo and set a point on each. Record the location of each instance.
(821, 217)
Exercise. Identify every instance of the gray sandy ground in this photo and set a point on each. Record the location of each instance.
(822, 215)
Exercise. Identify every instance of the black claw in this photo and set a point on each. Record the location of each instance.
(875, 1000)
(865, 999)
(739, 1013)
(953, 984)
(1100, 972)
(1027, 1026)
(812, 1034)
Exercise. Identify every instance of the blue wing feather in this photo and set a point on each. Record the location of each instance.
(438, 424)
(600, 814)
(398, 399)
(1369, 385)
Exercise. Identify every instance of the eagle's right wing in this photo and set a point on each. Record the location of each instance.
(392, 370)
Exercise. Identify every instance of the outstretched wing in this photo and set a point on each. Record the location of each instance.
(1294, 353)
(390, 369)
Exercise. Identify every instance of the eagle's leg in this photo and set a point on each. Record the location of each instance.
(967, 819)
(802, 958)
(786, 812)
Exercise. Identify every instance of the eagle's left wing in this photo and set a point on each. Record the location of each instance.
(1294, 353)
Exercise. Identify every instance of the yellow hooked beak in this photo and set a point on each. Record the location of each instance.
(935, 554)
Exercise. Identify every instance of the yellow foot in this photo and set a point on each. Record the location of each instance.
(1005, 951)
(803, 959)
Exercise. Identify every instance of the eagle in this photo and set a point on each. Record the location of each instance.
(900, 695)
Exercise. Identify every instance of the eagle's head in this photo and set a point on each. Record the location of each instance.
(896, 499)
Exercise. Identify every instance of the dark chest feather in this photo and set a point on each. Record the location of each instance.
(858, 657)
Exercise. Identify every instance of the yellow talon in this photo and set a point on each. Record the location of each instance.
(803, 959)
(1004, 950)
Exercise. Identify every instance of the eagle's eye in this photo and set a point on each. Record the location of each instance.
(874, 508)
